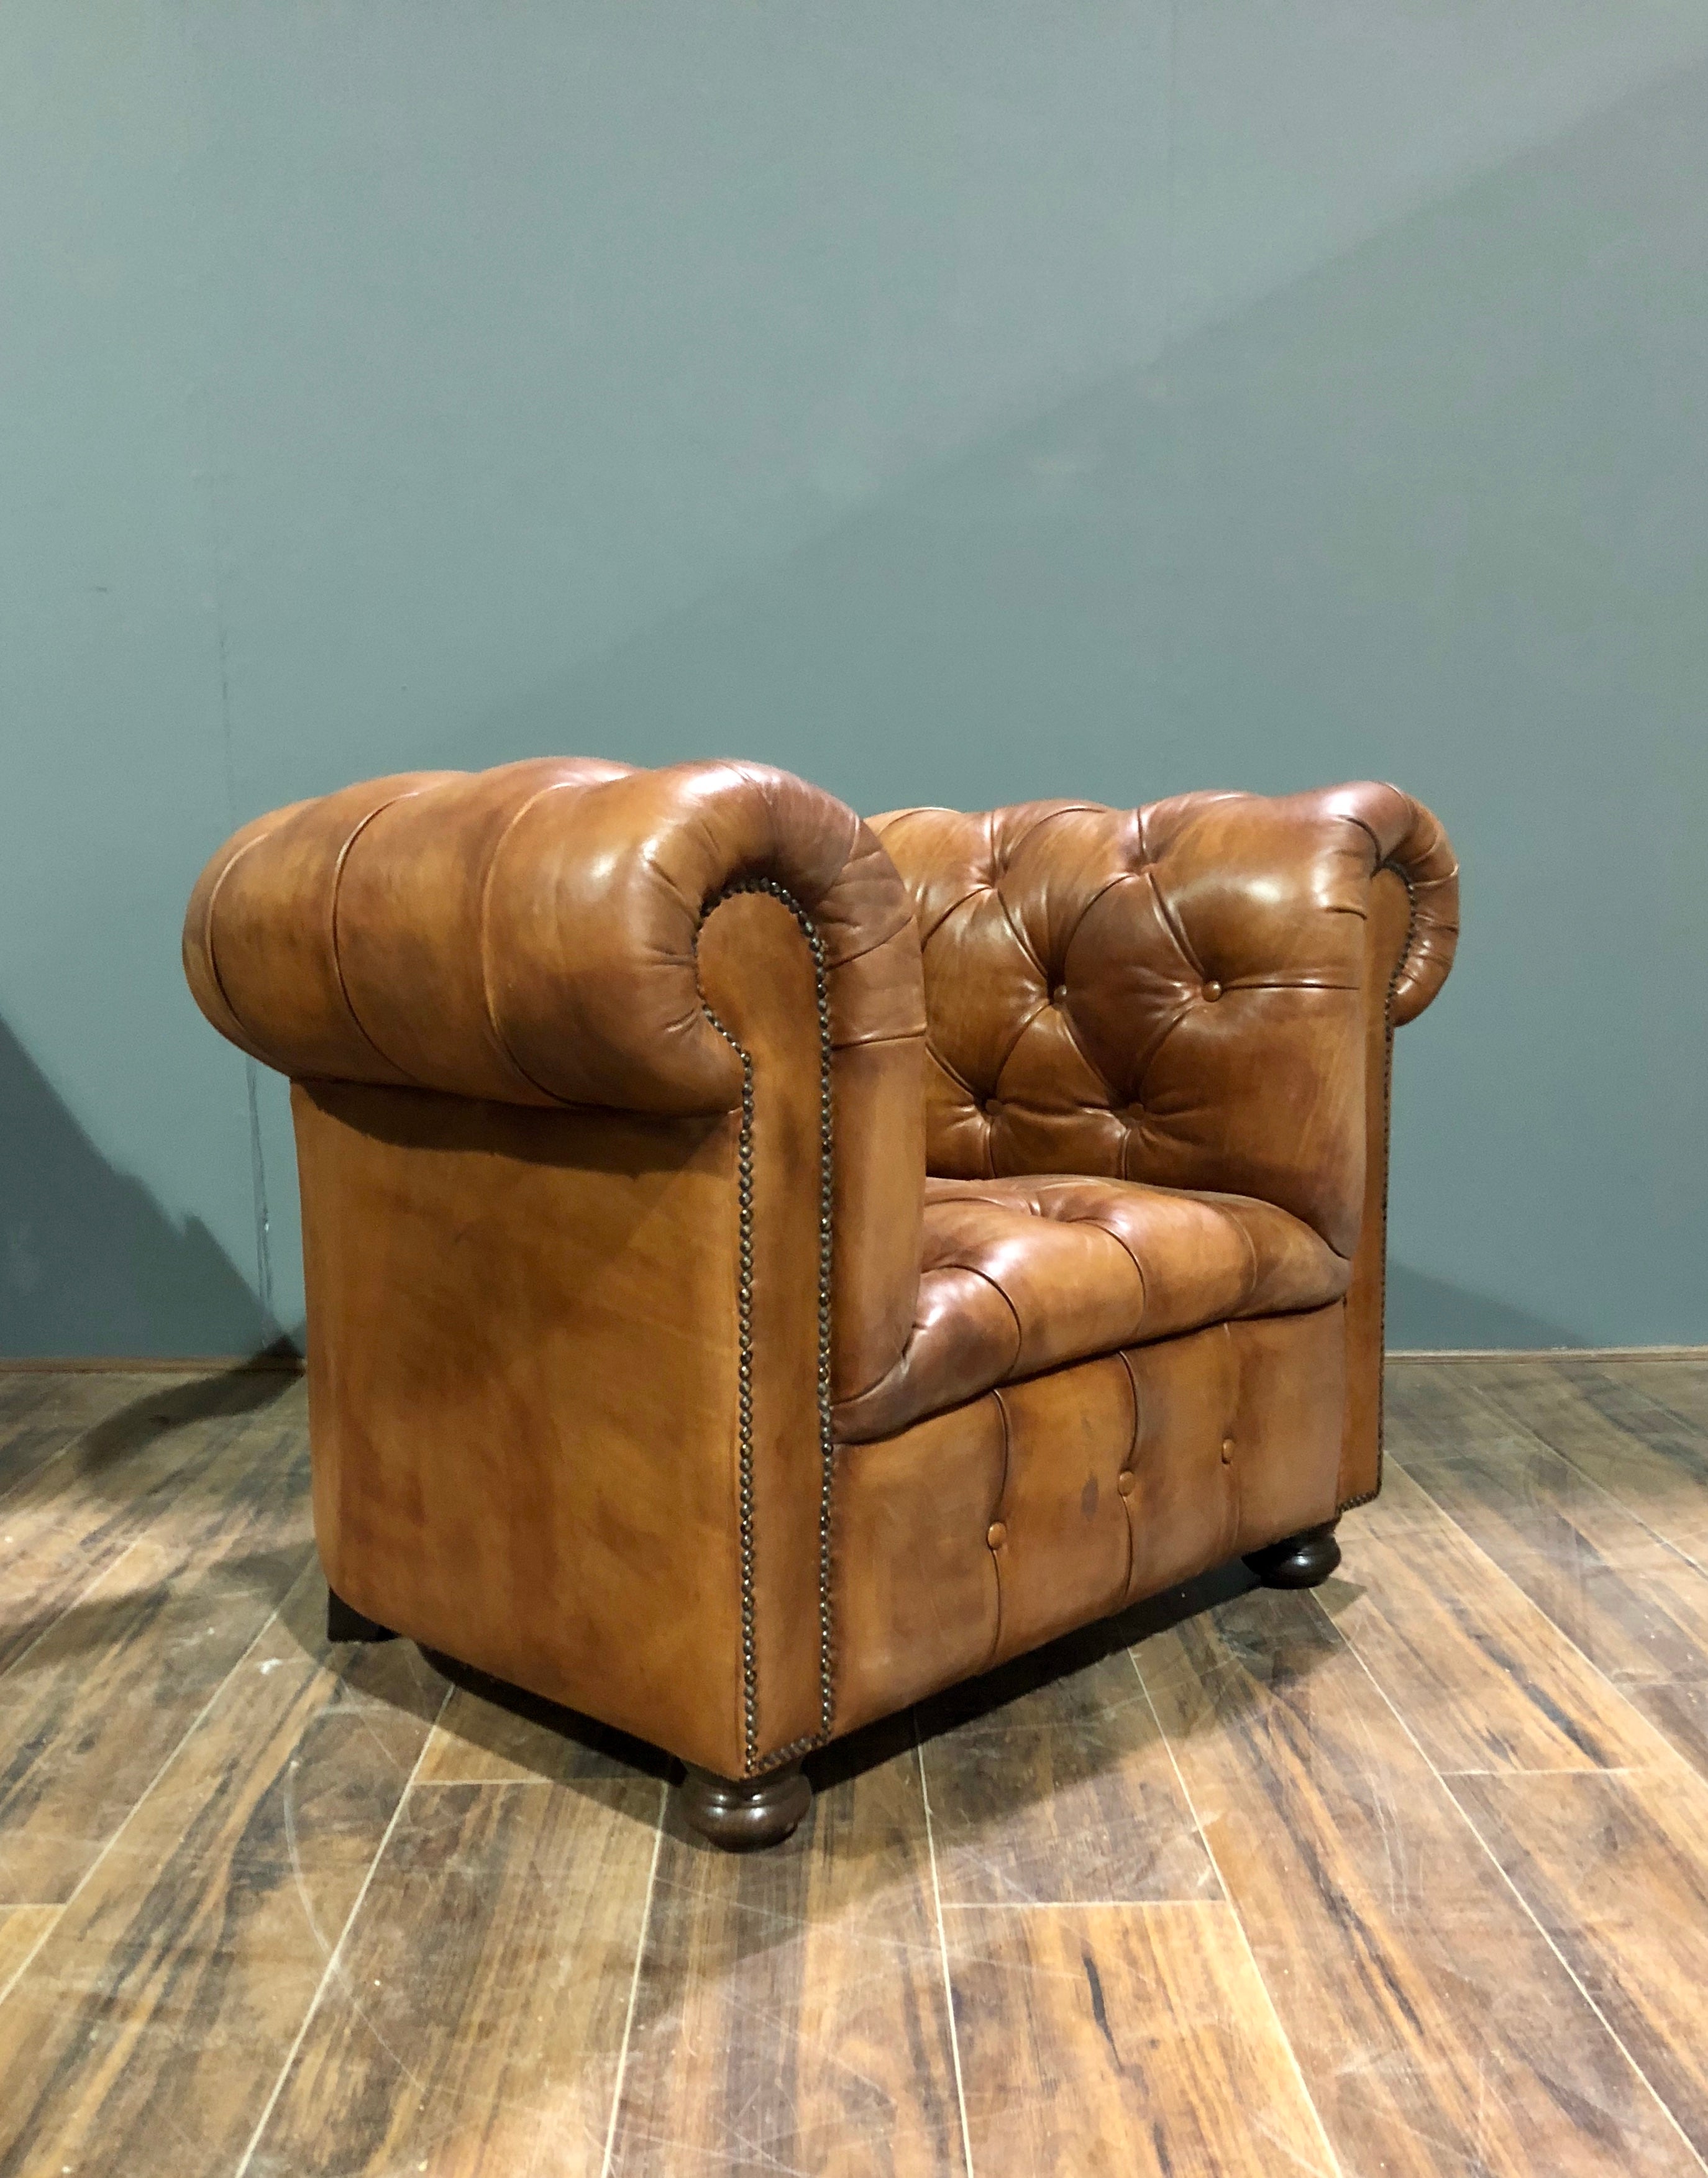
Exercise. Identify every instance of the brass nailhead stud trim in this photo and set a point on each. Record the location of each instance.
(996, 1535)
(750, 1678)
(1124, 1481)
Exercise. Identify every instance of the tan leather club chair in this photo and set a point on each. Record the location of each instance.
(763, 1266)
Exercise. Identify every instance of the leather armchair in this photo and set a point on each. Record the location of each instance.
(764, 1267)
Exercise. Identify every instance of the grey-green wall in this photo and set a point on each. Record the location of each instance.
(951, 400)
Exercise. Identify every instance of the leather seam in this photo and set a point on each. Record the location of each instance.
(1042, 1007)
(847, 960)
(926, 936)
(953, 1075)
(356, 1022)
(209, 947)
(1251, 1246)
(870, 1042)
(1073, 1036)
(1172, 924)
(1121, 876)
(499, 1038)
(1098, 1225)
(1001, 1499)
(973, 1270)
(1019, 938)
(1236, 1491)
(1131, 1463)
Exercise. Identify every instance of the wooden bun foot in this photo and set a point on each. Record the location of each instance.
(742, 1813)
(1300, 1560)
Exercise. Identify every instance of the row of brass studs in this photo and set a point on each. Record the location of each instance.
(744, 1191)
(1375, 1491)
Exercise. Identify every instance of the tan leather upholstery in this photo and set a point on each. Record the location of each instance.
(978, 1533)
(762, 1266)
(1140, 992)
(1021, 1275)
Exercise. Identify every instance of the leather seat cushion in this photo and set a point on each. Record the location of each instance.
(1022, 1275)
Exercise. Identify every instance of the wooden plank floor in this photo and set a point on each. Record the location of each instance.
(1407, 1875)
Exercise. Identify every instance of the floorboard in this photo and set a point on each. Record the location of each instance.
(1633, 1606)
(142, 1471)
(1616, 1870)
(1600, 1418)
(1484, 1679)
(1123, 2042)
(791, 2013)
(474, 2021)
(1407, 1875)
(164, 1999)
(1051, 1783)
(1435, 2027)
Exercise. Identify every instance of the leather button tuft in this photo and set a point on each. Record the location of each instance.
(1060, 994)
(996, 1535)
(1212, 990)
(1124, 1481)
(1227, 1451)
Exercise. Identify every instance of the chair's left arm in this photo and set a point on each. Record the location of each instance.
(1321, 921)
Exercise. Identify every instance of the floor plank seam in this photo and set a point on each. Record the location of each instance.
(1675, 1756)
(1090, 1905)
(32, 1474)
(71, 1604)
(1560, 1768)
(18, 1972)
(640, 1951)
(332, 1957)
(1697, 1565)
(1335, 2167)
(178, 1748)
(1622, 1354)
(1498, 1414)
(1530, 1911)
(943, 1948)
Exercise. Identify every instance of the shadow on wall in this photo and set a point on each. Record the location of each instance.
(1431, 513)
(1428, 1315)
(88, 1262)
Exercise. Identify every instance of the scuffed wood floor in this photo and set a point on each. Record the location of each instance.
(1406, 1876)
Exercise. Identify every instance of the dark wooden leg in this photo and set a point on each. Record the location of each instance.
(740, 1812)
(1299, 1560)
(344, 1622)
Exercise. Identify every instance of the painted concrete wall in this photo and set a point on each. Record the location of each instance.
(948, 401)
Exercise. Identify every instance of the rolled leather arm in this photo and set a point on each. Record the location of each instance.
(1408, 840)
(1271, 896)
(528, 934)
(1258, 857)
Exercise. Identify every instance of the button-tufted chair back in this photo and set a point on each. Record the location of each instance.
(1136, 993)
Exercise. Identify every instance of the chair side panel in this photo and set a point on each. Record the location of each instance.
(522, 1362)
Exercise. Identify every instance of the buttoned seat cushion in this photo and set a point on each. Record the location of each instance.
(1022, 1275)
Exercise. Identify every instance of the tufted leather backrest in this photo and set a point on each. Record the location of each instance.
(1171, 993)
